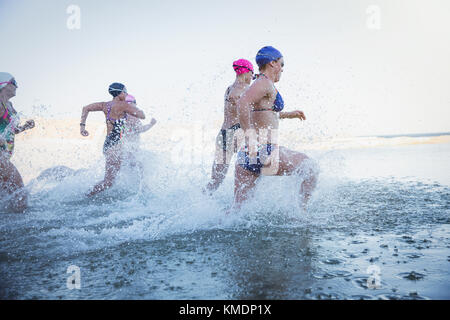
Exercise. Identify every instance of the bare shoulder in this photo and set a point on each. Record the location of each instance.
(131, 107)
(266, 84)
(260, 88)
(237, 91)
(121, 106)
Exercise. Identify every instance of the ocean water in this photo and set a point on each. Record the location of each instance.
(377, 227)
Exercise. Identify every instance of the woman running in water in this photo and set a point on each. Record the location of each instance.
(116, 112)
(132, 140)
(259, 110)
(134, 126)
(225, 147)
(11, 182)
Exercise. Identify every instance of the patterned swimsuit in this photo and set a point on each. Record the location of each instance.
(8, 125)
(117, 132)
(264, 151)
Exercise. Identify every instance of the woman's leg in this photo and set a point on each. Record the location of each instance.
(112, 167)
(218, 174)
(296, 163)
(223, 154)
(244, 182)
(12, 183)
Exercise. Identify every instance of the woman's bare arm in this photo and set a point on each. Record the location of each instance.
(144, 128)
(292, 115)
(90, 108)
(134, 111)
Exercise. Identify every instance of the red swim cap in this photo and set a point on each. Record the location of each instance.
(242, 66)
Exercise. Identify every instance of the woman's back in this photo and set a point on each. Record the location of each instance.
(115, 115)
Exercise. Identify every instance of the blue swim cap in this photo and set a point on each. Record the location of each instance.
(266, 55)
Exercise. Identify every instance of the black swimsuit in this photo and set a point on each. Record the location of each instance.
(223, 132)
(233, 128)
(116, 134)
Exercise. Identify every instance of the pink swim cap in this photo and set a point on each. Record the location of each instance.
(130, 98)
(242, 66)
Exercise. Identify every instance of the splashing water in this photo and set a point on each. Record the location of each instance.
(157, 236)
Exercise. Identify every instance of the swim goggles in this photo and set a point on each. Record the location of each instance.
(12, 81)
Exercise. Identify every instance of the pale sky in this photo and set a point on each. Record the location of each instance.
(346, 74)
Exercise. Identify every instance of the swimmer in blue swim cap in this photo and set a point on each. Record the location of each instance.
(260, 110)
